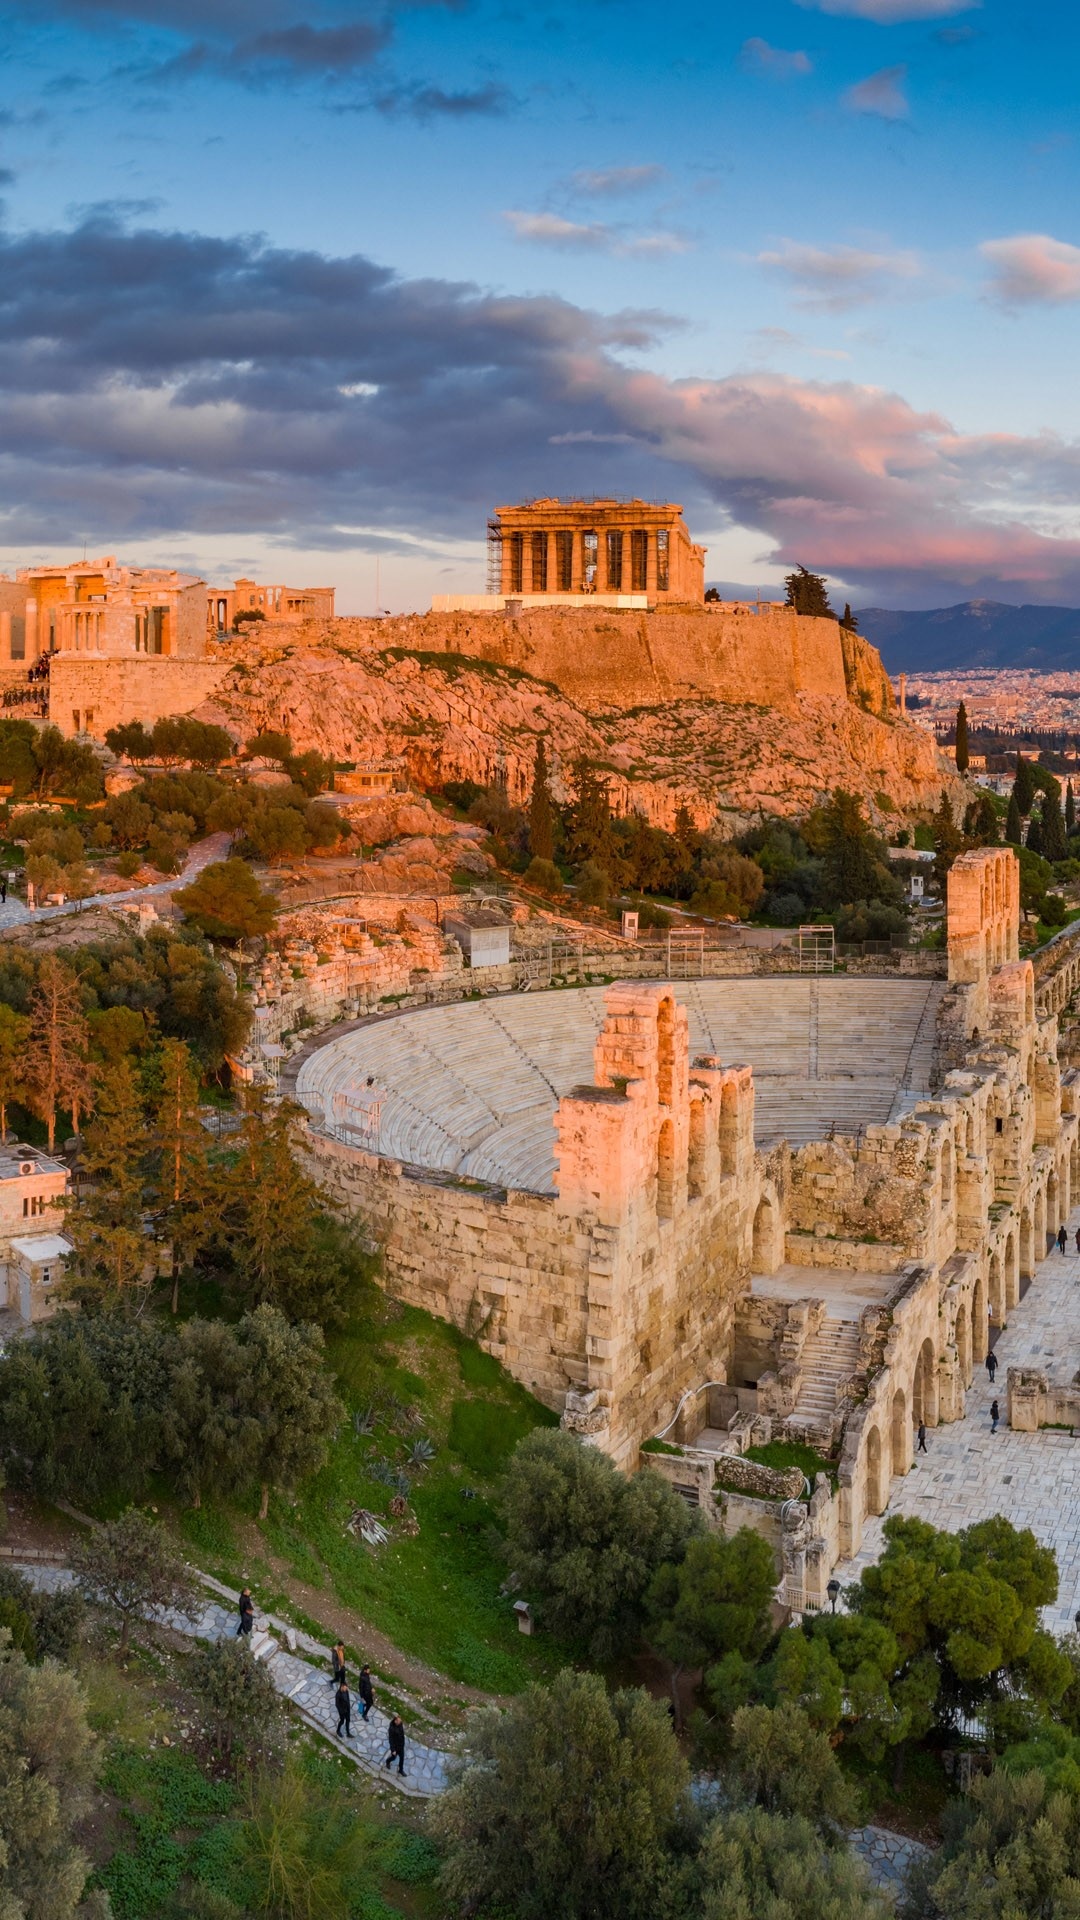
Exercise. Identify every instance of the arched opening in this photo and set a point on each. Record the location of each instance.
(996, 1292)
(1074, 1156)
(1027, 1246)
(1012, 1273)
(948, 1182)
(1052, 1215)
(877, 1492)
(665, 1172)
(767, 1252)
(924, 1390)
(665, 1053)
(729, 1128)
(979, 1328)
(1040, 1226)
(989, 951)
(901, 1433)
(695, 1164)
(963, 1344)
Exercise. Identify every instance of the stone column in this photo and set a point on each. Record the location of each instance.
(31, 643)
(5, 636)
(627, 544)
(577, 565)
(553, 562)
(650, 564)
(526, 562)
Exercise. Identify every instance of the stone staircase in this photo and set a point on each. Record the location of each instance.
(828, 1360)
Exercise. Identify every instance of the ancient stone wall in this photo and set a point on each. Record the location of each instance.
(91, 695)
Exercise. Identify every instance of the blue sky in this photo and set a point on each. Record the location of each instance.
(289, 285)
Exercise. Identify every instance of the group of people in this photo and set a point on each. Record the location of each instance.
(342, 1697)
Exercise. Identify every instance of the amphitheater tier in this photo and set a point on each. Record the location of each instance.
(471, 1090)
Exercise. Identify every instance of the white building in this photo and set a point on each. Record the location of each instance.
(32, 1248)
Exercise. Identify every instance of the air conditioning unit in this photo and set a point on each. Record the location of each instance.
(27, 1166)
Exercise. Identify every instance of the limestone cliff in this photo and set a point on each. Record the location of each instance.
(675, 709)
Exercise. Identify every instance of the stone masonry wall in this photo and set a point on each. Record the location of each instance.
(119, 690)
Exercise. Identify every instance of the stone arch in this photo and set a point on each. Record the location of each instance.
(963, 1344)
(1027, 1245)
(729, 1128)
(695, 1161)
(1052, 1216)
(1012, 1273)
(665, 1172)
(665, 1050)
(995, 1290)
(900, 1433)
(1040, 1225)
(924, 1396)
(979, 1329)
(948, 1176)
(877, 1484)
(768, 1236)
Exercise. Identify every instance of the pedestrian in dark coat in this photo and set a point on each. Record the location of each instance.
(247, 1612)
(995, 1416)
(991, 1364)
(343, 1703)
(1078, 1239)
(1063, 1239)
(337, 1663)
(396, 1737)
(366, 1692)
(922, 1447)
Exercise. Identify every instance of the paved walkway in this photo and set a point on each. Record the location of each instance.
(16, 913)
(887, 1856)
(305, 1686)
(1032, 1478)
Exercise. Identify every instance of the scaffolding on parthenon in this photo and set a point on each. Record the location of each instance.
(494, 556)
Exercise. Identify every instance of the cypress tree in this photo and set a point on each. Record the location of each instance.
(849, 620)
(961, 739)
(1014, 826)
(1070, 808)
(541, 818)
(1035, 834)
(1024, 785)
(1053, 826)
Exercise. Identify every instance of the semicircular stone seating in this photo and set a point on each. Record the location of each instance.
(471, 1089)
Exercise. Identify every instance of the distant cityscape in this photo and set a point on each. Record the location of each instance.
(1018, 703)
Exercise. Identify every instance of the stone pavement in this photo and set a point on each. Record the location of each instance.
(306, 1687)
(887, 1856)
(15, 912)
(1032, 1478)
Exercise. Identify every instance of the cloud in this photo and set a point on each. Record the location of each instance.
(434, 103)
(837, 278)
(881, 93)
(177, 387)
(604, 181)
(757, 54)
(890, 13)
(1032, 269)
(593, 236)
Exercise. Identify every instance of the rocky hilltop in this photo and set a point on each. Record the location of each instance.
(729, 716)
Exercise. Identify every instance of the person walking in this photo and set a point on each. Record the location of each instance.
(1078, 1239)
(337, 1663)
(247, 1612)
(1063, 1238)
(991, 1363)
(3, 890)
(366, 1691)
(995, 1416)
(343, 1703)
(396, 1737)
(922, 1446)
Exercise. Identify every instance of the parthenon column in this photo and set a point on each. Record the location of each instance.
(650, 564)
(553, 562)
(577, 568)
(626, 578)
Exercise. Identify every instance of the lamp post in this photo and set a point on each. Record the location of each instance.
(833, 1591)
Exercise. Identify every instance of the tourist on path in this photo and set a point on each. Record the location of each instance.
(991, 1364)
(366, 1692)
(1063, 1239)
(343, 1703)
(1078, 1239)
(247, 1613)
(995, 1416)
(337, 1663)
(922, 1446)
(396, 1736)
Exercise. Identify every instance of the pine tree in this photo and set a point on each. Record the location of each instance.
(849, 620)
(270, 1205)
(1053, 826)
(590, 819)
(1014, 825)
(962, 756)
(948, 839)
(14, 1034)
(289, 1394)
(109, 1263)
(56, 1058)
(1070, 808)
(1024, 785)
(184, 1194)
(541, 817)
(1035, 834)
(807, 593)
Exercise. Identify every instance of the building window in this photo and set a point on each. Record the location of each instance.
(564, 559)
(639, 560)
(663, 539)
(614, 560)
(539, 563)
(590, 554)
(46, 1276)
(516, 547)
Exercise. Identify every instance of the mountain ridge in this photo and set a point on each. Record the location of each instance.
(974, 633)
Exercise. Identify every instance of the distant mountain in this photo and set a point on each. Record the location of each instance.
(977, 633)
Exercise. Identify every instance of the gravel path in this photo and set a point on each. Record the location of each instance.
(16, 913)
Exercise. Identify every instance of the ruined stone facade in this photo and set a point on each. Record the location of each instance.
(276, 603)
(102, 610)
(631, 551)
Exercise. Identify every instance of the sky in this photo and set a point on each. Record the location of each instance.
(305, 288)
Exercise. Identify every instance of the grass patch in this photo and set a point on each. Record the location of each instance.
(792, 1453)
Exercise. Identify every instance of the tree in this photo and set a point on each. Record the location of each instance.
(14, 1034)
(1034, 842)
(755, 1864)
(963, 757)
(239, 1700)
(46, 1770)
(1070, 808)
(981, 821)
(56, 1058)
(788, 1766)
(227, 902)
(130, 742)
(130, 819)
(948, 839)
(289, 1397)
(1014, 825)
(541, 817)
(848, 619)
(211, 1437)
(854, 863)
(1054, 845)
(185, 1196)
(715, 1601)
(131, 1566)
(312, 772)
(269, 745)
(585, 1539)
(109, 1263)
(1011, 1852)
(730, 884)
(302, 1850)
(589, 819)
(1024, 785)
(276, 1230)
(567, 1808)
(808, 594)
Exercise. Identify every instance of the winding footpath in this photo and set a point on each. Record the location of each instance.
(16, 913)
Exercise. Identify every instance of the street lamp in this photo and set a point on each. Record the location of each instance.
(833, 1591)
